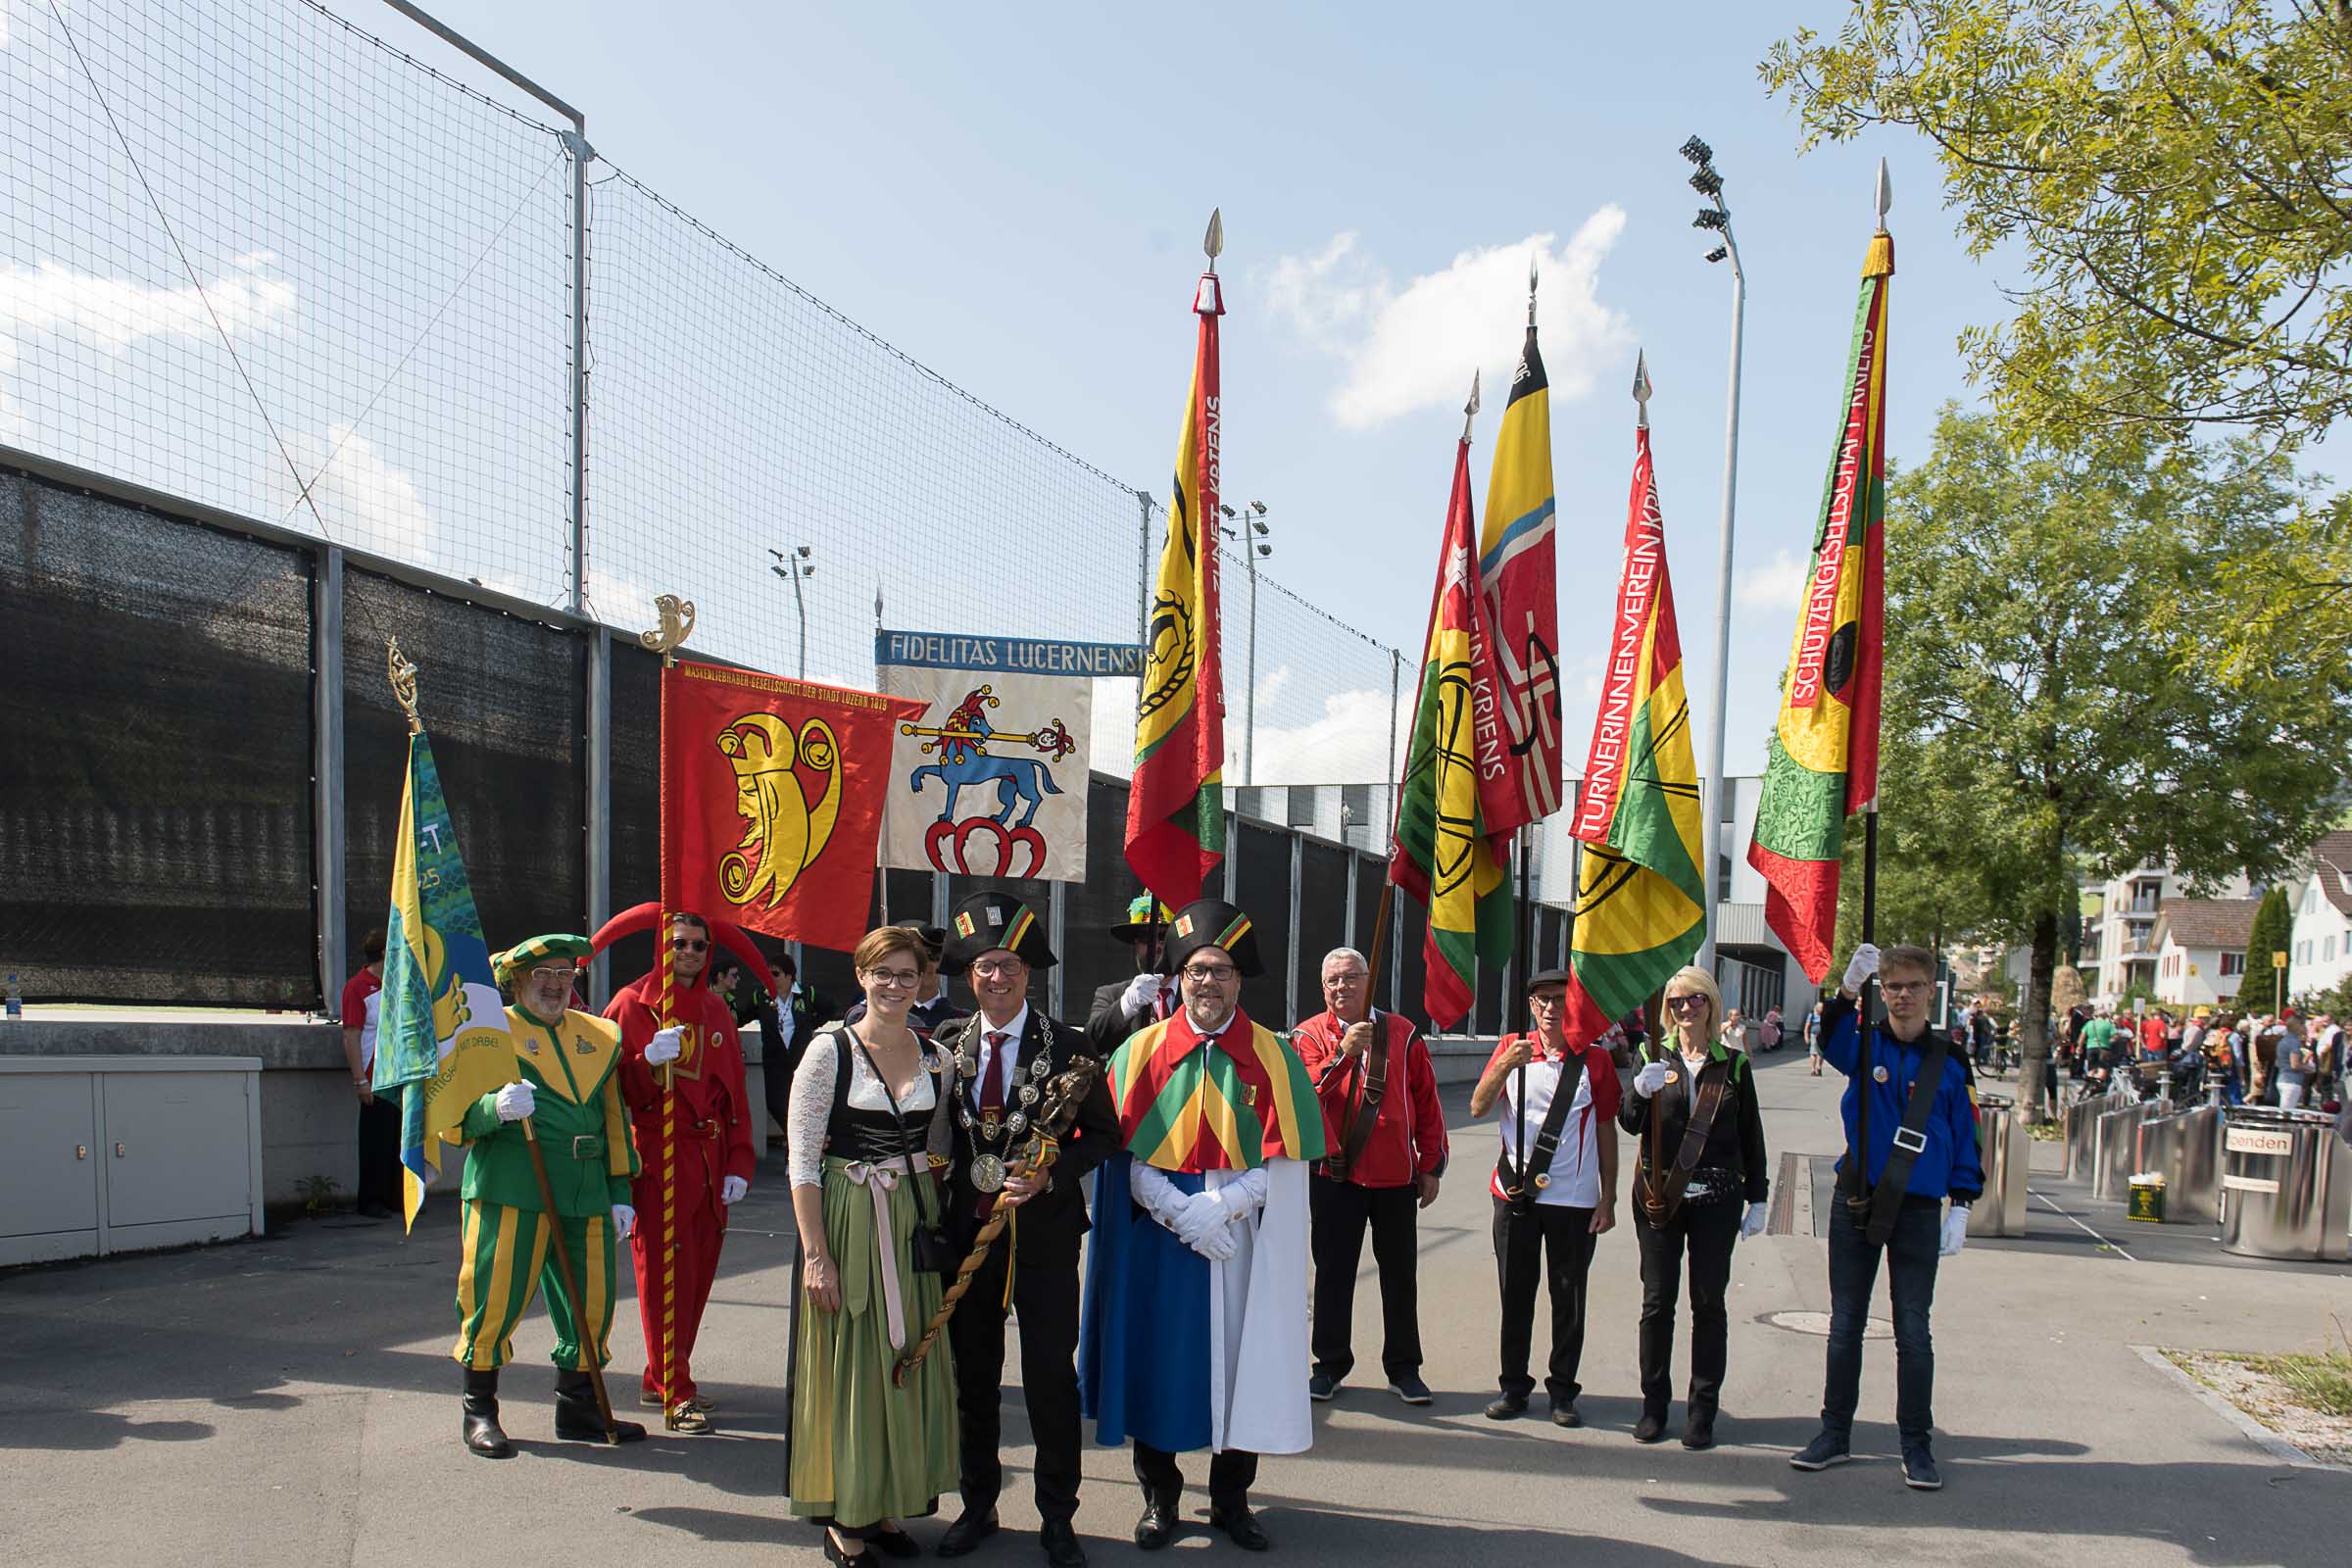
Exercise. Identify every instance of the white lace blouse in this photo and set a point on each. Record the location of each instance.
(811, 1111)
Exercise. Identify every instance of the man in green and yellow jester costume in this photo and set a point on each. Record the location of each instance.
(567, 1097)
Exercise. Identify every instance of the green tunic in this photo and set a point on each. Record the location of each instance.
(583, 1128)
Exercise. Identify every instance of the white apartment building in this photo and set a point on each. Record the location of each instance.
(2120, 938)
(2201, 950)
(2321, 950)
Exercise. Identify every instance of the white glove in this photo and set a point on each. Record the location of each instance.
(1202, 1213)
(731, 1189)
(1955, 1231)
(1217, 1245)
(1650, 1079)
(515, 1101)
(624, 1220)
(666, 1046)
(1751, 1224)
(1861, 966)
(1140, 993)
(1157, 1195)
(1243, 1196)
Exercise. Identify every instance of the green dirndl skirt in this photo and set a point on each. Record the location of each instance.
(863, 1450)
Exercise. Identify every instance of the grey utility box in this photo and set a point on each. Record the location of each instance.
(113, 1154)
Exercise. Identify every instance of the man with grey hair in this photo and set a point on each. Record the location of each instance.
(1387, 1137)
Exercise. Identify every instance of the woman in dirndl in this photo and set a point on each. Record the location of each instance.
(868, 1134)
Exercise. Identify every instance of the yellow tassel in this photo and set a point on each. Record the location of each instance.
(1880, 262)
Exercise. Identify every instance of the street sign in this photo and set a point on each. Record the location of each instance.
(2278, 959)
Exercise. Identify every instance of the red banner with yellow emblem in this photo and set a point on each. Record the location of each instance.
(771, 799)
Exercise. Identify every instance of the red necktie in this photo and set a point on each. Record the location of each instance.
(999, 1070)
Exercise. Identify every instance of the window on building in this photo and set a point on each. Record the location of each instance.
(2327, 949)
(2233, 963)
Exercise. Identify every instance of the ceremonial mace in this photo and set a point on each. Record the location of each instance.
(677, 624)
(1066, 1092)
(403, 676)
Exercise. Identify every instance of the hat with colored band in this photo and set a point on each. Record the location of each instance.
(1214, 923)
(526, 956)
(1142, 916)
(987, 922)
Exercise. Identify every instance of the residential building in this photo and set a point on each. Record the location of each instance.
(2320, 949)
(2119, 941)
(2201, 950)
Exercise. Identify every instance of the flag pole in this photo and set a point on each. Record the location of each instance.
(676, 625)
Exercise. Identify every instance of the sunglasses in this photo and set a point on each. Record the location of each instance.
(688, 944)
(1686, 1004)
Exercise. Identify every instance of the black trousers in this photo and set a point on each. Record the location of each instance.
(1554, 1241)
(1338, 1211)
(1911, 1256)
(1707, 1232)
(1231, 1474)
(1045, 1298)
(379, 1153)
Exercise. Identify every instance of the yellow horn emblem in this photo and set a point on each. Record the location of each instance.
(784, 830)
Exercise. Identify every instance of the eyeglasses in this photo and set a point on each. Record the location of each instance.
(999, 968)
(1904, 988)
(1206, 974)
(894, 977)
(689, 945)
(552, 976)
(1353, 977)
(1549, 999)
(1684, 1003)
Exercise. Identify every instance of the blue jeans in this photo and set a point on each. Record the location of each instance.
(1911, 1255)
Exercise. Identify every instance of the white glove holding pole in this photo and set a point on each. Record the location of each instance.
(1650, 1079)
(515, 1101)
(1140, 993)
(1751, 1224)
(1955, 1231)
(666, 1046)
(731, 1189)
(624, 1220)
(1861, 966)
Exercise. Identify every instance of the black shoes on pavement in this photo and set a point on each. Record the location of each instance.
(1408, 1386)
(971, 1527)
(577, 1418)
(1826, 1449)
(1056, 1536)
(1321, 1386)
(1651, 1428)
(1158, 1527)
(1563, 1413)
(1060, 1544)
(1919, 1469)
(482, 1429)
(1698, 1427)
(1242, 1526)
(1506, 1406)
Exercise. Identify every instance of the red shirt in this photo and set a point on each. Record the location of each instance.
(1408, 1135)
(1576, 1165)
(715, 1113)
(356, 1014)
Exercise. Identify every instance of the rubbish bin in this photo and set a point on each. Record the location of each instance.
(2004, 1151)
(2115, 1147)
(2146, 1202)
(2286, 1185)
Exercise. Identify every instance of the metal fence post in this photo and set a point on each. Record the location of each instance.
(597, 826)
(1143, 572)
(1395, 696)
(326, 768)
(576, 143)
(1354, 865)
(1057, 925)
(1290, 978)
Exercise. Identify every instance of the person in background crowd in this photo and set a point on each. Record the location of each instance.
(1735, 1030)
(1813, 1039)
(1636, 1025)
(1550, 1209)
(1122, 1007)
(2263, 1036)
(1894, 1178)
(2326, 1058)
(1698, 1139)
(2155, 1032)
(1386, 1134)
(798, 1014)
(2295, 1063)
(1768, 1034)
(380, 1184)
(871, 1107)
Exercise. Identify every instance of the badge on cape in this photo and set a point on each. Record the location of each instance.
(1880, 1073)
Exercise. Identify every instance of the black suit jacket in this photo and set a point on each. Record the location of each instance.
(1108, 1023)
(1052, 1222)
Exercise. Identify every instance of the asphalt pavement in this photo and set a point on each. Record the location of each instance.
(290, 1400)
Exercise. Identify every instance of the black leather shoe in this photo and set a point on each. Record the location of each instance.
(482, 1429)
(1060, 1543)
(1698, 1427)
(1158, 1527)
(1242, 1526)
(1507, 1406)
(1651, 1428)
(971, 1527)
(1563, 1413)
(576, 1417)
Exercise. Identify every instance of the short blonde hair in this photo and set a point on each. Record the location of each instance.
(1692, 978)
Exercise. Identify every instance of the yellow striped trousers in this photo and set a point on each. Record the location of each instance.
(507, 1255)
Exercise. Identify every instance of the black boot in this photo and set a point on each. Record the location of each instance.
(1698, 1424)
(576, 1415)
(482, 1434)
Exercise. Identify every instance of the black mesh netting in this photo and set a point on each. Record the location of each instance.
(1408, 928)
(503, 700)
(1322, 921)
(1091, 956)
(1262, 888)
(636, 840)
(1371, 873)
(156, 828)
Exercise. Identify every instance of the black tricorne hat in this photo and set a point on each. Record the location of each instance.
(987, 921)
(1214, 923)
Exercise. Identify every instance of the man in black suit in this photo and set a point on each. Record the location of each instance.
(1123, 1006)
(786, 1026)
(1005, 1055)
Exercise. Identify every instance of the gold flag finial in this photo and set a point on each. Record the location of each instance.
(403, 676)
(677, 624)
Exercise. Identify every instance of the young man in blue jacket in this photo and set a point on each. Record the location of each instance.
(1941, 1159)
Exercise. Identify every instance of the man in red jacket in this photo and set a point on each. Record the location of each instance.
(716, 1156)
(1386, 1135)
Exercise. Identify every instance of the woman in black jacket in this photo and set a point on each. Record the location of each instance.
(1691, 1196)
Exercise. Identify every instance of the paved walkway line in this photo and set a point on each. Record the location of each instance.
(2079, 1225)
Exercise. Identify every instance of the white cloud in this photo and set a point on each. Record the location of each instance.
(1775, 585)
(1402, 349)
(365, 500)
(1345, 743)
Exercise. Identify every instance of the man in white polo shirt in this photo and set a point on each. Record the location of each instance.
(1554, 1190)
(380, 1185)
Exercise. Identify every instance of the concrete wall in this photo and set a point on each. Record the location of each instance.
(310, 1121)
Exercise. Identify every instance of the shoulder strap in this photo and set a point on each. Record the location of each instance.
(1910, 1139)
(1666, 1187)
(1375, 1088)
(939, 1092)
(1547, 1141)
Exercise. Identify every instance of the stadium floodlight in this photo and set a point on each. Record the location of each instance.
(1710, 218)
(1698, 152)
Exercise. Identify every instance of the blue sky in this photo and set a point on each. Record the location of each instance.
(1016, 196)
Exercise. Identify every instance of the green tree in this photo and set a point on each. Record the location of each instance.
(2044, 713)
(2273, 931)
(2176, 179)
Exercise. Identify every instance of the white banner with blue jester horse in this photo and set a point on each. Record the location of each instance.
(992, 781)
